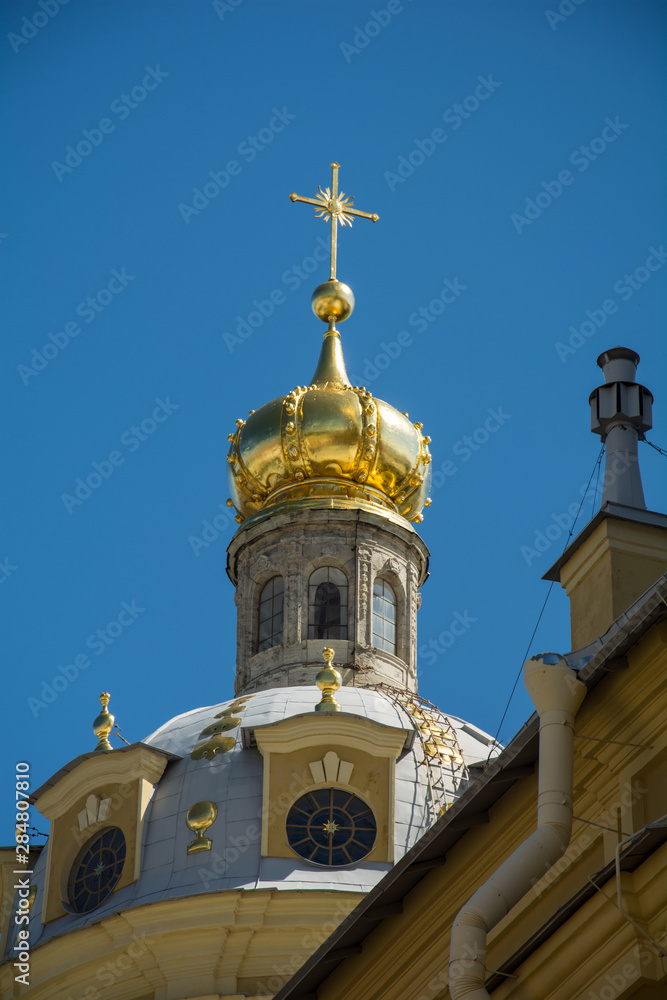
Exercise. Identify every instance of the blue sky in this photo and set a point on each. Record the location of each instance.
(514, 153)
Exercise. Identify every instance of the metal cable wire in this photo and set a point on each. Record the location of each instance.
(597, 465)
(655, 446)
(597, 479)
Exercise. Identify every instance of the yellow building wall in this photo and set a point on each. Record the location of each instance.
(619, 782)
(611, 568)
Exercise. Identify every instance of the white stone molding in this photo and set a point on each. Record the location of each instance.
(97, 811)
(331, 768)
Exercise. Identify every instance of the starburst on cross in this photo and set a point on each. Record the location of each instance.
(330, 827)
(334, 207)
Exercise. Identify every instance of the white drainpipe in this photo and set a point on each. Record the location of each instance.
(556, 694)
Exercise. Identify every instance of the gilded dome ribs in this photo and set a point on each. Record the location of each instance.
(329, 445)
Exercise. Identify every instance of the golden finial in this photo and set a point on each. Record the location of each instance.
(103, 724)
(198, 819)
(328, 681)
(334, 300)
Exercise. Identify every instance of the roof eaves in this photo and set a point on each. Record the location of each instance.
(517, 759)
(73, 764)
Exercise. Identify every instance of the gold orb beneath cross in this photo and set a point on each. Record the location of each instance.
(332, 300)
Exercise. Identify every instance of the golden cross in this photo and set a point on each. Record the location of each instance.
(337, 207)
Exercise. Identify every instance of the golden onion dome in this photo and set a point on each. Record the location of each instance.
(329, 444)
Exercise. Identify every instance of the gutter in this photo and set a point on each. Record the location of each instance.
(594, 662)
(557, 694)
(635, 852)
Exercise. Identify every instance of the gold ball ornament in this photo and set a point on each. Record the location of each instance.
(103, 724)
(332, 300)
(328, 680)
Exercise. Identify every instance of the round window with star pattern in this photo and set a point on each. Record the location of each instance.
(97, 869)
(331, 827)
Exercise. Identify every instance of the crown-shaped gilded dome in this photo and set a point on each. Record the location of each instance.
(329, 444)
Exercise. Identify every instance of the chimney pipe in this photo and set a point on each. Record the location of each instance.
(620, 413)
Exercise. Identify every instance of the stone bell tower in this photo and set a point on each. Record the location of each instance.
(327, 482)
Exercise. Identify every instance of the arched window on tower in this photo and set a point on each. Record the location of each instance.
(384, 616)
(270, 629)
(327, 604)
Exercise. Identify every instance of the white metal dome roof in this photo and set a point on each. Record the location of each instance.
(233, 780)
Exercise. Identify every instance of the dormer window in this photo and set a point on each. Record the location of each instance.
(384, 616)
(327, 604)
(271, 612)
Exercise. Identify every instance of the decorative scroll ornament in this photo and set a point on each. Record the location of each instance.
(217, 742)
(365, 567)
